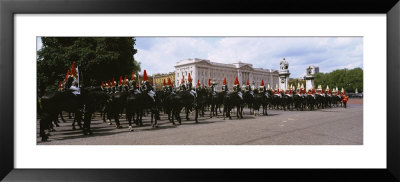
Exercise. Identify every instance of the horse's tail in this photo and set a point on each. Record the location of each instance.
(40, 103)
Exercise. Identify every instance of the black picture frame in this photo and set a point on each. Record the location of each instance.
(8, 8)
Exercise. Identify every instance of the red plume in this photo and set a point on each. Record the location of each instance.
(144, 75)
(209, 82)
(236, 81)
(164, 82)
(151, 82)
(113, 82)
(66, 76)
(59, 85)
(183, 79)
(73, 69)
(109, 83)
(189, 78)
(198, 83)
(125, 80)
(169, 81)
(262, 82)
(120, 80)
(102, 83)
(247, 83)
(224, 81)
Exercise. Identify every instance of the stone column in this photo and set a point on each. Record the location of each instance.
(309, 78)
(309, 82)
(284, 75)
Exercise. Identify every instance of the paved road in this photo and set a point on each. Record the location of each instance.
(334, 126)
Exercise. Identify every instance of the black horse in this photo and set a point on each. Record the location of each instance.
(147, 101)
(117, 104)
(53, 104)
(298, 99)
(276, 100)
(248, 97)
(287, 101)
(133, 107)
(216, 99)
(185, 98)
(261, 98)
(94, 99)
(310, 101)
(232, 100)
(202, 100)
(84, 104)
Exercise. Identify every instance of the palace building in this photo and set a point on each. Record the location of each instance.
(159, 79)
(202, 70)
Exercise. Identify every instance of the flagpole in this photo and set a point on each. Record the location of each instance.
(77, 71)
(155, 84)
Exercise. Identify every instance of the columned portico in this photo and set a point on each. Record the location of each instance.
(203, 70)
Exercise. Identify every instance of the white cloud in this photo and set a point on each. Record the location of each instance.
(329, 53)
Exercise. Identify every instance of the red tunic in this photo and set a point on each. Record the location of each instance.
(345, 99)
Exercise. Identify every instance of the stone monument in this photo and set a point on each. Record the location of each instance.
(309, 79)
(284, 75)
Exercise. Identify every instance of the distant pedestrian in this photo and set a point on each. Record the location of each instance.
(345, 99)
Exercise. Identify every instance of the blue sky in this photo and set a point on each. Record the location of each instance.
(159, 54)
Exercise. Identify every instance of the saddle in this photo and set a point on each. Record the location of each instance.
(137, 91)
(152, 94)
(192, 92)
(240, 95)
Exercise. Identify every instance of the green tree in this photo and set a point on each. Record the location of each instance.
(295, 82)
(98, 59)
(341, 78)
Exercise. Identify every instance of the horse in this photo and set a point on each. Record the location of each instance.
(147, 101)
(84, 104)
(116, 104)
(310, 101)
(93, 98)
(202, 100)
(216, 99)
(298, 99)
(336, 99)
(276, 100)
(133, 105)
(261, 99)
(182, 99)
(231, 100)
(54, 103)
(248, 97)
(287, 100)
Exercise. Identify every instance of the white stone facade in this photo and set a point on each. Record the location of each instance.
(309, 82)
(310, 71)
(284, 75)
(202, 70)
